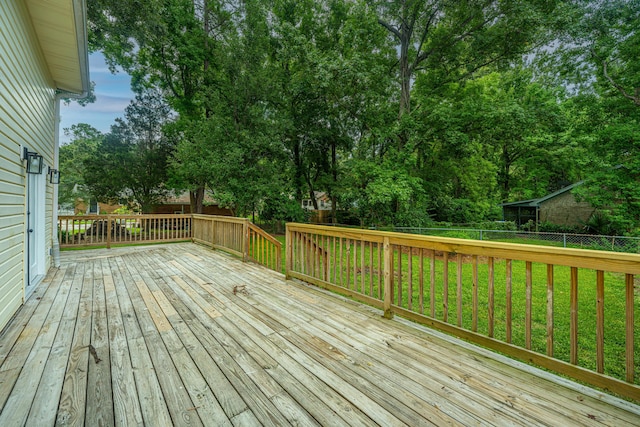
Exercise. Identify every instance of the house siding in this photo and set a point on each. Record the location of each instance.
(27, 98)
(565, 210)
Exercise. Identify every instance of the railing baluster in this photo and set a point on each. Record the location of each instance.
(355, 265)
(392, 273)
(348, 243)
(399, 285)
(370, 269)
(574, 316)
(445, 286)
(491, 295)
(410, 280)
(474, 302)
(550, 310)
(529, 304)
(432, 287)
(380, 270)
(600, 321)
(459, 288)
(341, 257)
(388, 277)
(316, 255)
(362, 267)
(421, 282)
(509, 307)
(629, 326)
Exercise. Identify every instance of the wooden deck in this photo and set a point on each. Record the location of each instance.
(182, 335)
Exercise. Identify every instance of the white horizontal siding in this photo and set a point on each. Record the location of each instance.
(26, 119)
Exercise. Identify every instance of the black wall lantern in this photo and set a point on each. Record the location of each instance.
(34, 160)
(54, 176)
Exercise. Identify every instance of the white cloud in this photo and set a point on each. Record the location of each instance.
(113, 94)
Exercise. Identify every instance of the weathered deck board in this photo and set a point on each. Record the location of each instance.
(17, 406)
(181, 335)
(99, 405)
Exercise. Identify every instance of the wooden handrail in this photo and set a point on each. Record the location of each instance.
(240, 237)
(237, 236)
(545, 305)
(108, 230)
(264, 248)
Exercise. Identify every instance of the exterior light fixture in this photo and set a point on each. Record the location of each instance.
(35, 162)
(54, 176)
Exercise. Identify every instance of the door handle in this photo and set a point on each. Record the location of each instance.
(31, 230)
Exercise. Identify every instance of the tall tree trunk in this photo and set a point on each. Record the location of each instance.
(405, 71)
(196, 199)
(299, 175)
(312, 194)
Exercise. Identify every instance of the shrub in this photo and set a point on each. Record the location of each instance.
(548, 227)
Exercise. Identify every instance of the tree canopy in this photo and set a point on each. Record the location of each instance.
(401, 112)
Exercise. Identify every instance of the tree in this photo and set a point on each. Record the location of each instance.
(598, 57)
(84, 140)
(163, 43)
(331, 67)
(130, 162)
(455, 39)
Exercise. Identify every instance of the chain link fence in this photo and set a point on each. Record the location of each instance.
(566, 240)
(563, 240)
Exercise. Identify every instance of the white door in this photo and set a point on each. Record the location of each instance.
(35, 231)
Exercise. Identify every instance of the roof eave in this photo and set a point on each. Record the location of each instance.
(80, 18)
(61, 30)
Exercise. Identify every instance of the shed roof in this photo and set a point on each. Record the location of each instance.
(538, 202)
(61, 29)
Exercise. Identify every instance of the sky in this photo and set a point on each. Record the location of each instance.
(113, 93)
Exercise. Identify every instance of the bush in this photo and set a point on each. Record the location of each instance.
(123, 210)
(604, 224)
(548, 227)
(283, 208)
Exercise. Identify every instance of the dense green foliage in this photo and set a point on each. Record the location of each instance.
(128, 165)
(402, 112)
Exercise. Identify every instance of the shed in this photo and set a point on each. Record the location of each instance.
(560, 208)
(43, 46)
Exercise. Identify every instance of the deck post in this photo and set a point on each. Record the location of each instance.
(109, 229)
(213, 232)
(288, 261)
(388, 312)
(245, 240)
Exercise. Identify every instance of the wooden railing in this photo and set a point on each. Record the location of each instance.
(108, 230)
(221, 232)
(568, 310)
(264, 248)
(237, 236)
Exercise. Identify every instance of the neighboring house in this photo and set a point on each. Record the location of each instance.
(323, 213)
(560, 208)
(322, 199)
(94, 207)
(43, 51)
(181, 204)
